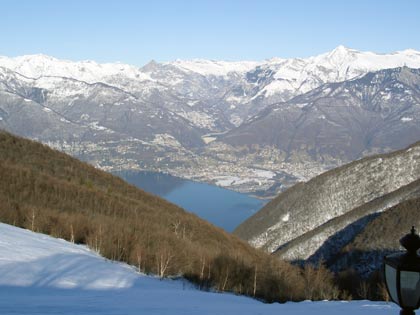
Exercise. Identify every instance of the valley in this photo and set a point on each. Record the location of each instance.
(49, 192)
(253, 127)
(334, 153)
(230, 157)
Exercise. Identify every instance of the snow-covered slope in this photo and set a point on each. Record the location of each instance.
(43, 275)
(36, 260)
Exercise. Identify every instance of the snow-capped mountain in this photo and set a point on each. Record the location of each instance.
(163, 116)
(219, 88)
(103, 108)
(298, 76)
(335, 123)
(36, 66)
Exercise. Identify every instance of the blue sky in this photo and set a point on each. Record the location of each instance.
(137, 31)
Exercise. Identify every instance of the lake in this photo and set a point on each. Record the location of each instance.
(222, 207)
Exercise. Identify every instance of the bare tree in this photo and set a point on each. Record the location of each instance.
(255, 281)
(163, 259)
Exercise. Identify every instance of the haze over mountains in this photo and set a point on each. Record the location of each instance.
(243, 125)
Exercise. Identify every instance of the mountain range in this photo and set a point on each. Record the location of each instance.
(256, 127)
(245, 125)
(339, 122)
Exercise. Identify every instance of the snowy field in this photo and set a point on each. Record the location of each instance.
(43, 275)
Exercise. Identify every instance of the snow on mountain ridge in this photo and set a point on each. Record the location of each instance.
(90, 71)
(36, 66)
(241, 88)
(340, 64)
(216, 68)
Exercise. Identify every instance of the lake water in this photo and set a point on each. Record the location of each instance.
(222, 207)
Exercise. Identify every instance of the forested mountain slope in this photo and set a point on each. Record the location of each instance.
(300, 220)
(49, 192)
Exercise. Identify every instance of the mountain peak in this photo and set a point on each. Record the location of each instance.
(410, 52)
(150, 66)
(341, 51)
(341, 48)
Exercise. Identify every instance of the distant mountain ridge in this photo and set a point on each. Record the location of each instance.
(186, 117)
(345, 121)
(245, 82)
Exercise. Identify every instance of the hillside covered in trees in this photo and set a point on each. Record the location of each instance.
(49, 192)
